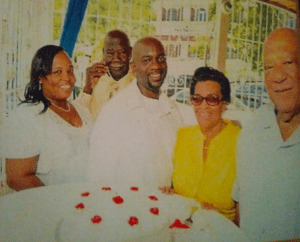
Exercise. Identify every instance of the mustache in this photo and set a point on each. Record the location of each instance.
(159, 71)
(109, 63)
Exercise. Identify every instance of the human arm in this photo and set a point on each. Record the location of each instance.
(97, 89)
(236, 219)
(24, 135)
(21, 173)
(208, 206)
(105, 147)
(235, 193)
(93, 74)
(239, 118)
(235, 197)
(167, 190)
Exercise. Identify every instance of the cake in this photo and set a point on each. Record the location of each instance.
(123, 214)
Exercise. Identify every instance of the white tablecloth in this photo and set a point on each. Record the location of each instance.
(34, 214)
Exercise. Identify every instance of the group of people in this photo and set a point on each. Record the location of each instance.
(123, 130)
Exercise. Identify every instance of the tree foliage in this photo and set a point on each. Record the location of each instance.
(250, 23)
(131, 16)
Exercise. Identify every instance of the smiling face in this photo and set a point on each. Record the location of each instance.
(150, 66)
(282, 75)
(59, 84)
(117, 54)
(209, 116)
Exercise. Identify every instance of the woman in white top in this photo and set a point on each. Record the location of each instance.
(47, 138)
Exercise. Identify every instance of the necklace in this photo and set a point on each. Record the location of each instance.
(62, 109)
(205, 144)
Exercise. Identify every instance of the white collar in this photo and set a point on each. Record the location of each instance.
(136, 101)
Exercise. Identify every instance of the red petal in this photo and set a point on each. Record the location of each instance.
(153, 198)
(80, 206)
(118, 200)
(106, 188)
(85, 194)
(96, 219)
(178, 224)
(155, 211)
(134, 188)
(133, 220)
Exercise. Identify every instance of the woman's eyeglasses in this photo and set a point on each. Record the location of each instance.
(211, 100)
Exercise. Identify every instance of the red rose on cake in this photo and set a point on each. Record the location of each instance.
(154, 211)
(80, 206)
(153, 198)
(133, 220)
(96, 219)
(118, 200)
(178, 224)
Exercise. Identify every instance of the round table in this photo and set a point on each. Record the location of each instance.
(34, 214)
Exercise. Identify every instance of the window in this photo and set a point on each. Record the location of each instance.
(201, 15)
(198, 15)
(173, 50)
(172, 14)
(290, 22)
(192, 14)
(164, 14)
(180, 14)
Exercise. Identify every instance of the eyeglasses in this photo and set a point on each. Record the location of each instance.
(211, 100)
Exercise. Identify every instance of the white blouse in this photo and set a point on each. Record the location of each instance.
(62, 148)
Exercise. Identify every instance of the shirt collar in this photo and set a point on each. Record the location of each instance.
(271, 123)
(128, 77)
(268, 110)
(136, 100)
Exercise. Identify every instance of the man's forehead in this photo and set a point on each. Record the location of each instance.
(114, 42)
(279, 48)
(150, 50)
(282, 39)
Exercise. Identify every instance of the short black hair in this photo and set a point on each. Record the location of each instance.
(119, 34)
(210, 74)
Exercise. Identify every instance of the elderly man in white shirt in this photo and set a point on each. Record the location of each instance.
(134, 135)
(267, 187)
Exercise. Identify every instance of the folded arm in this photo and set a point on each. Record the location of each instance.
(21, 173)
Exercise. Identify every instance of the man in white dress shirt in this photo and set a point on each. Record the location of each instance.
(134, 135)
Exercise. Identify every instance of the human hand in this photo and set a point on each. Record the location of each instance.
(167, 190)
(208, 206)
(93, 74)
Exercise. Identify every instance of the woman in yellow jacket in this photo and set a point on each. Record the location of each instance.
(205, 154)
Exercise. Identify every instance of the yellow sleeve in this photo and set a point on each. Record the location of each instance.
(100, 95)
(84, 99)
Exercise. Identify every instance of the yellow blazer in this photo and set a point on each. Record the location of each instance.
(211, 180)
